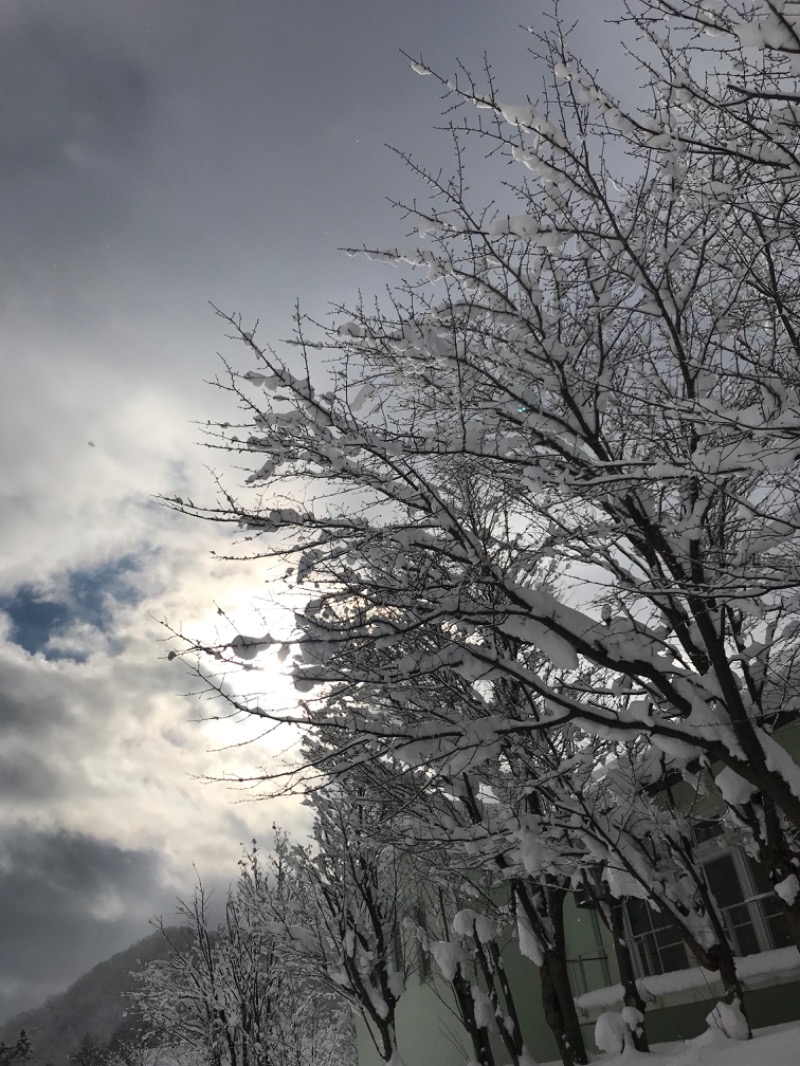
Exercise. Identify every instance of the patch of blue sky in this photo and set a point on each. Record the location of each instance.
(40, 614)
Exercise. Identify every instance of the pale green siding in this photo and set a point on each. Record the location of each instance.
(524, 978)
(430, 1034)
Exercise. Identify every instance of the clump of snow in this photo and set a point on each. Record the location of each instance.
(728, 1018)
(678, 749)
(612, 1033)
(247, 647)
(482, 1007)
(447, 956)
(470, 923)
(780, 761)
(529, 945)
(609, 996)
(766, 964)
(777, 1047)
(788, 888)
(623, 885)
(735, 790)
(352, 329)
(532, 849)
(633, 1018)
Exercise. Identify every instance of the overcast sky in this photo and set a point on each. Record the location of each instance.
(159, 154)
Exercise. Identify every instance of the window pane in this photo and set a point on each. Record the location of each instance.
(723, 881)
(770, 905)
(578, 977)
(759, 875)
(745, 939)
(706, 830)
(776, 922)
(674, 958)
(667, 937)
(657, 943)
(639, 915)
(648, 956)
(596, 971)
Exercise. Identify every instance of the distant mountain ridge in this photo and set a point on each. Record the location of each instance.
(95, 1003)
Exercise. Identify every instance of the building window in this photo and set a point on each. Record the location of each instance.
(656, 942)
(750, 911)
(589, 969)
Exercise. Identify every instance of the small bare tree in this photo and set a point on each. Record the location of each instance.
(230, 995)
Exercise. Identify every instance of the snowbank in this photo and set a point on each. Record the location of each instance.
(779, 1046)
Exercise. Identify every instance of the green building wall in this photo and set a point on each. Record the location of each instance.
(430, 1033)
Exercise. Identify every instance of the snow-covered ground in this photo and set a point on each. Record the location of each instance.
(776, 1046)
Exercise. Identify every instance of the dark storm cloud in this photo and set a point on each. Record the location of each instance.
(15, 707)
(31, 702)
(28, 776)
(68, 899)
(77, 105)
(65, 98)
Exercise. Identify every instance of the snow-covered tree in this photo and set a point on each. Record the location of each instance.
(228, 996)
(640, 847)
(601, 370)
(346, 926)
(465, 946)
(546, 497)
(17, 1053)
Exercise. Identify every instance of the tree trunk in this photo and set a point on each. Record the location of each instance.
(777, 856)
(552, 1012)
(792, 912)
(556, 989)
(719, 958)
(570, 1043)
(559, 1006)
(491, 964)
(388, 1041)
(570, 1036)
(479, 1035)
(611, 911)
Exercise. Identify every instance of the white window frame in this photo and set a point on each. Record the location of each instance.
(576, 963)
(634, 942)
(752, 897)
(715, 848)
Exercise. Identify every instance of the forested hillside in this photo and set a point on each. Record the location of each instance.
(95, 1005)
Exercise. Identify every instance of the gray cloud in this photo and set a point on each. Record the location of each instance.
(77, 108)
(69, 900)
(75, 103)
(103, 770)
(29, 777)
